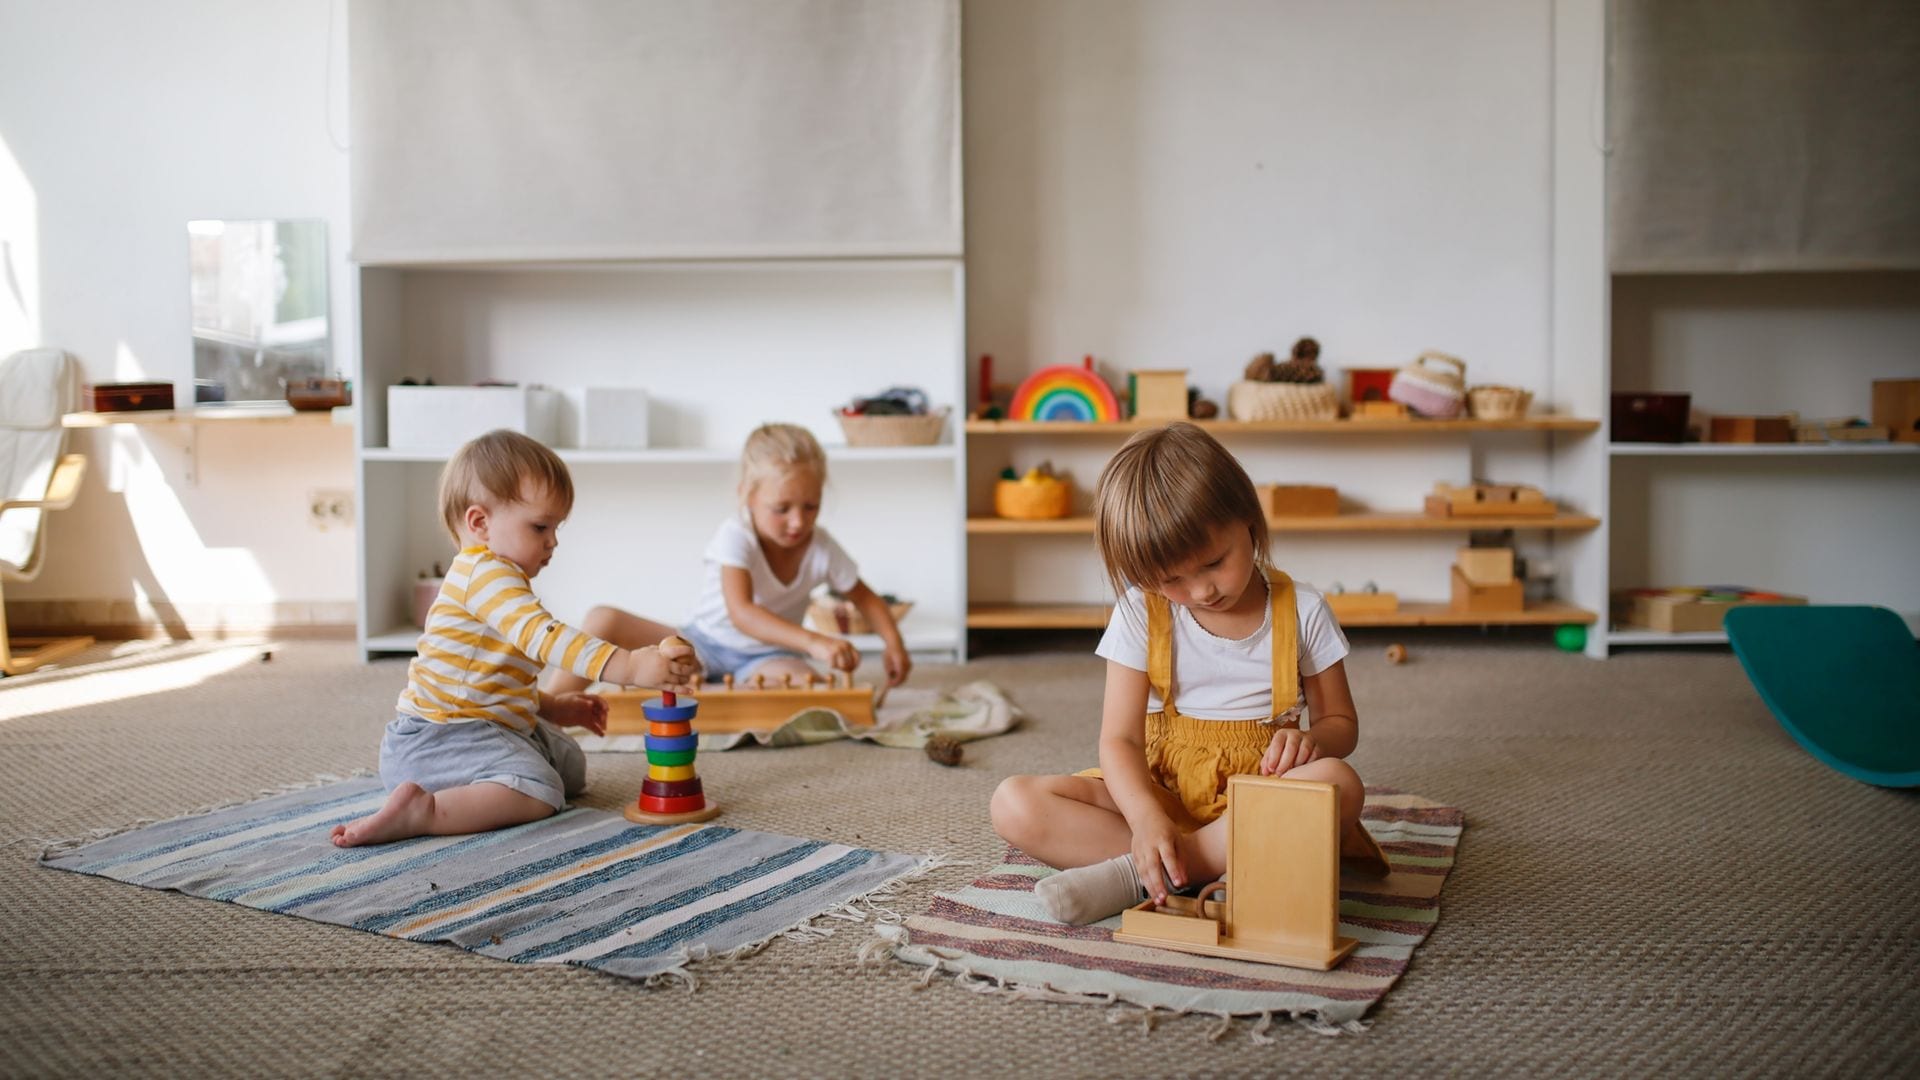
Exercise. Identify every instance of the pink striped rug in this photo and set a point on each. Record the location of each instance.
(994, 933)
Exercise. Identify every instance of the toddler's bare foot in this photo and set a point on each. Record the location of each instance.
(406, 814)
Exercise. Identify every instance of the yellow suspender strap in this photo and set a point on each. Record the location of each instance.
(1160, 648)
(1286, 642)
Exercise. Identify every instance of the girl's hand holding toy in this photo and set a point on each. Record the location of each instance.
(1156, 858)
(837, 653)
(898, 664)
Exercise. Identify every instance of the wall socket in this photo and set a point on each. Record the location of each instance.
(330, 508)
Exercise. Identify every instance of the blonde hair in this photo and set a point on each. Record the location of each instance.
(493, 469)
(774, 449)
(1162, 497)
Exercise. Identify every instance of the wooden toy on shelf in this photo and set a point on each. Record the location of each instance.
(1282, 885)
(760, 704)
(1298, 500)
(1690, 608)
(1368, 601)
(1484, 582)
(1751, 429)
(1839, 429)
(672, 793)
(1896, 407)
(1065, 392)
(1380, 410)
(1037, 496)
(1369, 385)
(1489, 500)
(1158, 395)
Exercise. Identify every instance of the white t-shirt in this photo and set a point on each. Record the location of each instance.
(734, 544)
(1215, 678)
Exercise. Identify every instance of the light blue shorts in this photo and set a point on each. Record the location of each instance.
(547, 765)
(719, 660)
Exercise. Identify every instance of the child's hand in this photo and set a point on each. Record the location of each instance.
(1289, 748)
(670, 665)
(1156, 858)
(898, 664)
(834, 652)
(577, 710)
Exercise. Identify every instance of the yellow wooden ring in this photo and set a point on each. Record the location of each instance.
(670, 772)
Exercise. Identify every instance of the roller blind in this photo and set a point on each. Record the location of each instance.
(1764, 135)
(584, 129)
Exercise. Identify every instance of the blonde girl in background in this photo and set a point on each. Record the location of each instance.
(1217, 664)
(760, 567)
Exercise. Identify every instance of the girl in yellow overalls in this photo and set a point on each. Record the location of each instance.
(1211, 655)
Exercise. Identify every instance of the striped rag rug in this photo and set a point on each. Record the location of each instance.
(582, 887)
(994, 933)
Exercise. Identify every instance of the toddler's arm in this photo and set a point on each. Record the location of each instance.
(1123, 764)
(1335, 731)
(880, 617)
(500, 595)
(754, 620)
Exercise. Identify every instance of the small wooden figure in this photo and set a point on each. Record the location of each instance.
(672, 793)
(1282, 884)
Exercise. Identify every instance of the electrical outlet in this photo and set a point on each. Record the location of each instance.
(330, 509)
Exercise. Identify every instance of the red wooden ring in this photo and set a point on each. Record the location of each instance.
(671, 789)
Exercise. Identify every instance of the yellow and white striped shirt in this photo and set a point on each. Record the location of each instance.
(486, 641)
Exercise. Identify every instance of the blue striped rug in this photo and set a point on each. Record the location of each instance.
(583, 887)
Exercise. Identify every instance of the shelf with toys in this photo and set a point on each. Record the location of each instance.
(658, 371)
(1070, 417)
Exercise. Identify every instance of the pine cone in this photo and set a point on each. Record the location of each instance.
(1260, 368)
(1306, 349)
(1205, 410)
(1298, 371)
(944, 749)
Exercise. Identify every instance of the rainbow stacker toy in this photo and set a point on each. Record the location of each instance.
(1065, 392)
(671, 794)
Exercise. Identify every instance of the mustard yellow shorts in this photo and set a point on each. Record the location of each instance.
(1191, 759)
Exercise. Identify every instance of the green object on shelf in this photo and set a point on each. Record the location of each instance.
(1570, 636)
(1843, 681)
(1008, 474)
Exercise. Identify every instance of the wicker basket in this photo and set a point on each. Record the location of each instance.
(832, 616)
(1499, 402)
(1023, 500)
(1248, 400)
(893, 430)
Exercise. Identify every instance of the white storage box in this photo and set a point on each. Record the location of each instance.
(443, 417)
(604, 418)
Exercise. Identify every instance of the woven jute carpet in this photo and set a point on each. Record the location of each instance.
(1656, 880)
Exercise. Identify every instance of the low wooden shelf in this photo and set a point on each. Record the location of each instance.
(1094, 616)
(1285, 427)
(233, 415)
(1369, 521)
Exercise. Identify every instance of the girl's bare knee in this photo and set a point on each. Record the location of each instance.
(1012, 807)
(601, 621)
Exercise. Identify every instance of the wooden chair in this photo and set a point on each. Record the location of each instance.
(36, 387)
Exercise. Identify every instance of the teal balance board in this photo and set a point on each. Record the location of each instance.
(1843, 681)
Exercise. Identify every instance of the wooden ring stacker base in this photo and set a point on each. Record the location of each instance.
(641, 817)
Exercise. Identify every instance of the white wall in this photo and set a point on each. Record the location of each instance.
(120, 121)
(1187, 185)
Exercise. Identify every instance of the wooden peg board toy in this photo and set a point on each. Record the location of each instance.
(672, 793)
(759, 704)
(1282, 883)
(1489, 500)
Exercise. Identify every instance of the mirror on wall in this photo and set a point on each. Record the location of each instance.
(259, 309)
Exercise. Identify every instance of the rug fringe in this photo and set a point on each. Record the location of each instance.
(61, 845)
(891, 942)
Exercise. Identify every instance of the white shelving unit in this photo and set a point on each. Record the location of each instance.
(721, 346)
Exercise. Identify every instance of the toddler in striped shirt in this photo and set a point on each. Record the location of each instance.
(476, 745)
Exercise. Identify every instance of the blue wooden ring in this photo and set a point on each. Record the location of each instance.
(667, 714)
(674, 742)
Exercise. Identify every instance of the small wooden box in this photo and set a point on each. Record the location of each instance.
(1349, 605)
(1369, 384)
(1299, 500)
(1485, 566)
(1896, 407)
(1681, 611)
(1380, 410)
(1472, 596)
(1488, 500)
(1751, 429)
(1641, 417)
(1841, 430)
(1159, 395)
(129, 397)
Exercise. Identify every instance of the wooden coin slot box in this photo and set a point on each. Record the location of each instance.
(1751, 429)
(1488, 500)
(129, 397)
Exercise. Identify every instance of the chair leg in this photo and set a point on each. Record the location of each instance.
(33, 652)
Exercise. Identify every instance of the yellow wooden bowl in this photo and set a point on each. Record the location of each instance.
(1032, 499)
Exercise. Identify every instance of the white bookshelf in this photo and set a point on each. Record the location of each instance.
(721, 346)
(1762, 450)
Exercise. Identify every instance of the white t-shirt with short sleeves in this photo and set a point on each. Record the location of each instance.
(734, 544)
(1216, 678)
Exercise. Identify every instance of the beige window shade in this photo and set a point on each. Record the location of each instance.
(1763, 135)
(622, 129)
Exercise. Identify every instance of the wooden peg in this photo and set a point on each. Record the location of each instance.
(760, 682)
(727, 680)
(790, 678)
